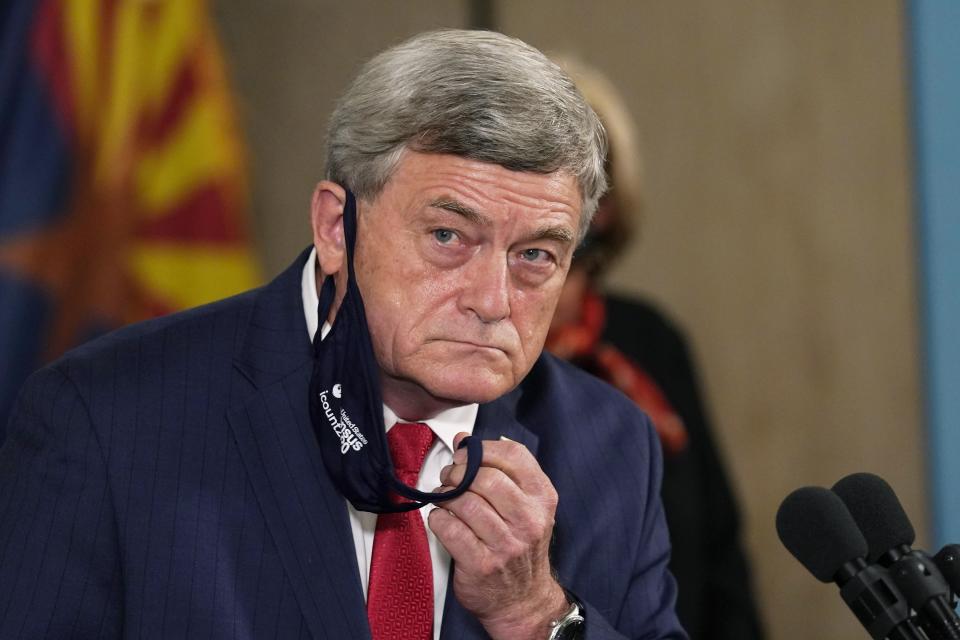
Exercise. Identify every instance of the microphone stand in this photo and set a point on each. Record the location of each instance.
(926, 591)
(875, 600)
(908, 633)
(948, 561)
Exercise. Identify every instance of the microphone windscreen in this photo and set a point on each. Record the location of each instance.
(815, 526)
(877, 511)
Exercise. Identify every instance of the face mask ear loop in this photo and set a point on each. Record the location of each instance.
(373, 397)
(474, 447)
(350, 233)
(328, 289)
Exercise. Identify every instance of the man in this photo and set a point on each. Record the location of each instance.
(168, 480)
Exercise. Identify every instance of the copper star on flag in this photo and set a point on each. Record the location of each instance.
(122, 189)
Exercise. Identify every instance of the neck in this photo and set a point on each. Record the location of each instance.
(411, 402)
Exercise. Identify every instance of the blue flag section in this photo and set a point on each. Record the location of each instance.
(934, 25)
(123, 192)
(34, 175)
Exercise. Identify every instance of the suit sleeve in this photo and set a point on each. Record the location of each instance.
(648, 611)
(716, 597)
(59, 561)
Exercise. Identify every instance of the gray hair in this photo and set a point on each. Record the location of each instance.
(477, 94)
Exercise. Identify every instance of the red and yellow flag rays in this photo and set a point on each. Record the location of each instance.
(156, 220)
(167, 141)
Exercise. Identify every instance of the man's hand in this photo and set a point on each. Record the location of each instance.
(498, 534)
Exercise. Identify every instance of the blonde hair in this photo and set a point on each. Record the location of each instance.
(624, 162)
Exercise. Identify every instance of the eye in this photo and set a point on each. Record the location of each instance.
(444, 236)
(534, 255)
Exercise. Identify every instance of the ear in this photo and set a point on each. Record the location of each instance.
(326, 218)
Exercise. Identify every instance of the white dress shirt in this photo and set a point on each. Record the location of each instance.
(445, 425)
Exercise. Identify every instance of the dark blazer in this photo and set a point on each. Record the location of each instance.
(715, 598)
(164, 481)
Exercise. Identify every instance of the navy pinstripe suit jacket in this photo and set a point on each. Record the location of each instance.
(164, 482)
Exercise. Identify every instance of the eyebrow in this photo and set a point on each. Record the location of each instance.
(472, 215)
(563, 235)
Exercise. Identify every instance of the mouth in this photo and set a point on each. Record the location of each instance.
(480, 346)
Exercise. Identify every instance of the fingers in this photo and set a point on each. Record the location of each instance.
(476, 537)
(456, 537)
(513, 459)
(499, 513)
(498, 490)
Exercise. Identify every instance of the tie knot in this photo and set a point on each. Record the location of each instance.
(409, 443)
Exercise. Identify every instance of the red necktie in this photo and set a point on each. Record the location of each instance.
(400, 591)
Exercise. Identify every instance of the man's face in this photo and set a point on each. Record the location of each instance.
(460, 264)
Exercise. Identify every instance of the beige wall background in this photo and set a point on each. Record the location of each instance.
(778, 228)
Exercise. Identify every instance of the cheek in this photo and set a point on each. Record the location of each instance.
(382, 300)
(532, 313)
(381, 275)
(405, 305)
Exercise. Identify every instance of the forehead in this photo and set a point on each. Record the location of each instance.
(496, 192)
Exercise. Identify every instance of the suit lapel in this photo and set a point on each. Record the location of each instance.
(499, 418)
(306, 516)
(494, 420)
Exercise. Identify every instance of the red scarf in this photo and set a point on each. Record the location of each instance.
(580, 343)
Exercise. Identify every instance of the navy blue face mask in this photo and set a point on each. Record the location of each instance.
(346, 407)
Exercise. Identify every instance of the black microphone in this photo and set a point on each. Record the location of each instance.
(948, 561)
(889, 535)
(816, 527)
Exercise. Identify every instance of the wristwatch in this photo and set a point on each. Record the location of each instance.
(570, 625)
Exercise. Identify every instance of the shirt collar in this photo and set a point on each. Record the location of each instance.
(308, 291)
(445, 424)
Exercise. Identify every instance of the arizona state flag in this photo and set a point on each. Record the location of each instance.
(122, 191)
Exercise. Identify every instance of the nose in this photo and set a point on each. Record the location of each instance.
(486, 287)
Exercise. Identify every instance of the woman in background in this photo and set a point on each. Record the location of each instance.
(633, 346)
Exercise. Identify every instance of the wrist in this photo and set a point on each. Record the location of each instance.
(533, 620)
(560, 607)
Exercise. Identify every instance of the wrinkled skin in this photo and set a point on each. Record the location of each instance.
(460, 264)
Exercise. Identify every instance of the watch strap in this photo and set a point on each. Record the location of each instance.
(570, 625)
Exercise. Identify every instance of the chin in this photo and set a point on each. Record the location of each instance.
(469, 389)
